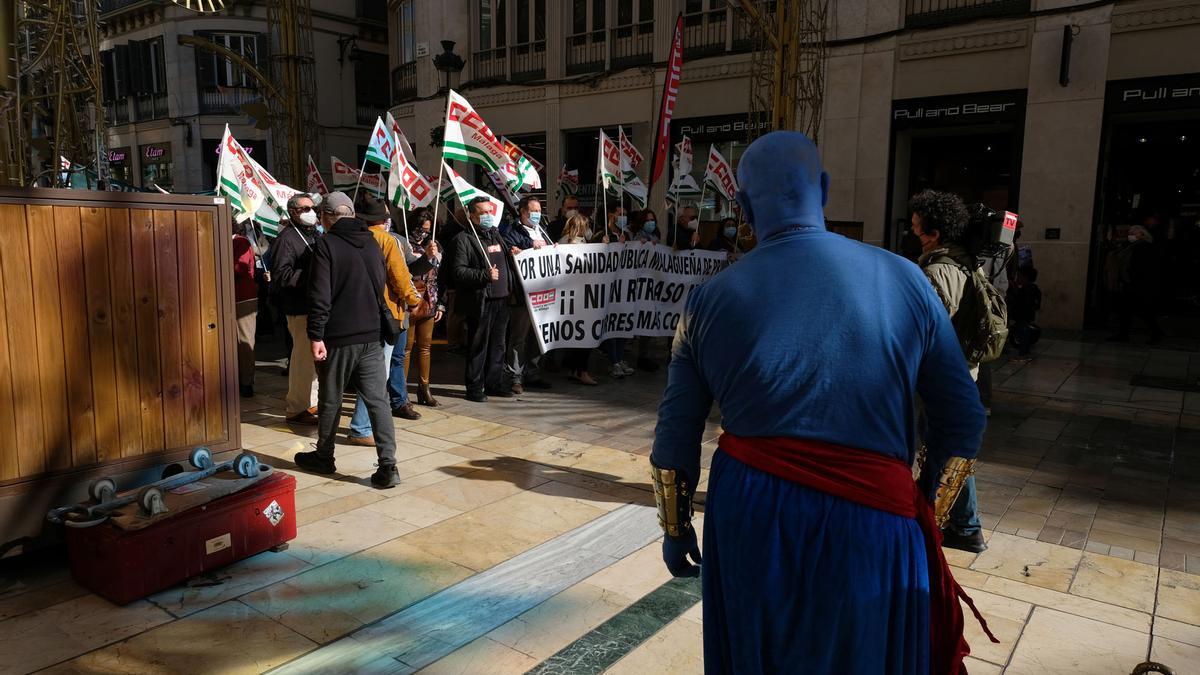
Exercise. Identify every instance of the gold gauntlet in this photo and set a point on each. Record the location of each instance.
(950, 483)
(674, 500)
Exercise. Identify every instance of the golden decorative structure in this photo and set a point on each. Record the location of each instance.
(950, 483)
(668, 496)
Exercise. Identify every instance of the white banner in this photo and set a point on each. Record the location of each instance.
(582, 294)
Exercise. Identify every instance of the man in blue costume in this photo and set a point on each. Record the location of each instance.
(821, 554)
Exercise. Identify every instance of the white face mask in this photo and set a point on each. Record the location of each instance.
(308, 218)
(587, 234)
(487, 220)
(693, 223)
(535, 217)
(570, 213)
(1132, 238)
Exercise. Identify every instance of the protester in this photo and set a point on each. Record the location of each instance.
(1024, 301)
(819, 552)
(523, 359)
(939, 221)
(1138, 273)
(481, 283)
(726, 239)
(345, 324)
(568, 210)
(685, 234)
(576, 360)
(447, 232)
(399, 294)
(616, 229)
(290, 259)
(424, 259)
(647, 228)
(245, 291)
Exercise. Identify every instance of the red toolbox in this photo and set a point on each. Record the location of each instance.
(125, 565)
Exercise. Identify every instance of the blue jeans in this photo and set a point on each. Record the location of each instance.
(397, 383)
(964, 515)
(360, 424)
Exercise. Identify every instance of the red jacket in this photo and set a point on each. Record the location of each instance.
(244, 287)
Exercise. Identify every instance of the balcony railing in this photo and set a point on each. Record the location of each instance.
(151, 107)
(220, 100)
(528, 61)
(404, 82)
(366, 113)
(107, 6)
(586, 53)
(743, 32)
(632, 45)
(923, 13)
(491, 64)
(704, 33)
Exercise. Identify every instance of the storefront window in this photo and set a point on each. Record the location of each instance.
(156, 165)
(120, 165)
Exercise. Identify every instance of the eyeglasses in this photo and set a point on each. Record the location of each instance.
(301, 209)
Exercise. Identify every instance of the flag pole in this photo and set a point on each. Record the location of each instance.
(362, 169)
(442, 161)
(404, 218)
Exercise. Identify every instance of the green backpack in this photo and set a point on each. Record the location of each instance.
(981, 322)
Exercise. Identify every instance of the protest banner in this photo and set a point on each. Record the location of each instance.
(579, 295)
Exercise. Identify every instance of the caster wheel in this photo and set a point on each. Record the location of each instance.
(150, 499)
(172, 470)
(102, 489)
(201, 458)
(246, 465)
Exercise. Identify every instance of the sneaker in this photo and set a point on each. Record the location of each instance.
(625, 367)
(386, 477)
(617, 372)
(364, 441)
(310, 461)
(971, 543)
(406, 412)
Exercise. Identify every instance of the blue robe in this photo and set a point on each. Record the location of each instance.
(818, 337)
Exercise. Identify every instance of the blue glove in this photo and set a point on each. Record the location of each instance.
(676, 551)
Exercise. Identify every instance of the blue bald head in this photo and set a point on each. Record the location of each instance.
(781, 184)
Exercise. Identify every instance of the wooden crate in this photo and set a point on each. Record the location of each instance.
(117, 349)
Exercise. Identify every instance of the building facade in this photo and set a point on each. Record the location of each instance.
(1083, 117)
(167, 104)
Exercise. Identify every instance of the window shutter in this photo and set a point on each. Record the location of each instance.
(206, 74)
(107, 87)
(139, 68)
(160, 66)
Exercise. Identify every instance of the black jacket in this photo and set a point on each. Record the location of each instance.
(344, 307)
(291, 255)
(470, 271)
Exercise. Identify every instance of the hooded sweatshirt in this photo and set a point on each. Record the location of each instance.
(344, 305)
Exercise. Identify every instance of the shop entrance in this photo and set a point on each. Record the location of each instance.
(969, 145)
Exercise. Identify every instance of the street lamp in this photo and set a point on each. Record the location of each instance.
(448, 63)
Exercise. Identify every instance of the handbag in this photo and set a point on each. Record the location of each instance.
(389, 326)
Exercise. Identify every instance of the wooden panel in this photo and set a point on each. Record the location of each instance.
(214, 408)
(78, 349)
(145, 284)
(170, 346)
(120, 257)
(93, 223)
(13, 218)
(51, 361)
(191, 329)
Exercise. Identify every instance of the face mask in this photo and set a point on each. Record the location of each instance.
(648, 226)
(693, 223)
(570, 213)
(587, 234)
(487, 220)
(1132, 238)
(535, 218)
(308, 218)
(387, 225)
(622, 221)
(730, 232)
(320, 229)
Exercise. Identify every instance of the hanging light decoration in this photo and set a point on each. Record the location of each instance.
(201, 6)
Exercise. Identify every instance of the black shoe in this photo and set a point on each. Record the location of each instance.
(971, 543)
(537, 384)
(247, 391)
(406, 412)
(310, 461)
(386, 477)
(500, 393)
(648, 365)
(477, 396)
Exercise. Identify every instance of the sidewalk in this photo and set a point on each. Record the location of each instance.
(523, 538)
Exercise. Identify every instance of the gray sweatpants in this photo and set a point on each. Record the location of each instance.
(362, 364)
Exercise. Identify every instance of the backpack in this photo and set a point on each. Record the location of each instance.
(981, 321)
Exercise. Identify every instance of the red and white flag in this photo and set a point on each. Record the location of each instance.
(662, 140)
(719, 174)
(313, 182)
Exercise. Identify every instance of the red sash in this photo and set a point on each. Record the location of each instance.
(879, 482)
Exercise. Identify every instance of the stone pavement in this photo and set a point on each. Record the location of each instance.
(523, 539)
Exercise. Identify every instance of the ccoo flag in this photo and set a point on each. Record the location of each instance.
(466, 192)
(313, 181)
(236, 180)
(379, 149)
(719, 174)
(608, 162)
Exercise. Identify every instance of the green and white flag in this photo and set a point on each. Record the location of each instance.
(273, 210)
(466, 192)
(407, 186)
(608, 165)
(631, 183)
(236, 179)
(379, 149)
(526, 170)
(468, 138)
